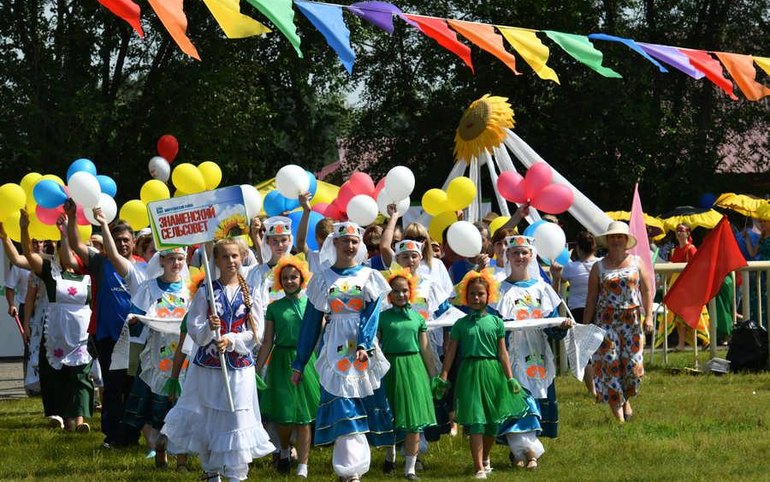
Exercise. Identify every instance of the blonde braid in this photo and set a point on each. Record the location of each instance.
(247, 300)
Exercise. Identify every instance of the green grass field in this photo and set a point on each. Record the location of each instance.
(685, 427)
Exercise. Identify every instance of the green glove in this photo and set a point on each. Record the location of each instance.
(439, 387)
(172, 388)
(514, 385)
(261, 385)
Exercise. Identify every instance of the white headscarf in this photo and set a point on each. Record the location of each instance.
(274, 226)
(154, 268)
(328, 252)
(518, 241)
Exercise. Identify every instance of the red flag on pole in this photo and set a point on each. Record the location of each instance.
(703, 277)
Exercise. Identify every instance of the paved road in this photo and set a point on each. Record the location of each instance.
(11, 379)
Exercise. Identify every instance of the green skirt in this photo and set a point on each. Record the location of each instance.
(407, 386)
(286, 404)
(483, 398)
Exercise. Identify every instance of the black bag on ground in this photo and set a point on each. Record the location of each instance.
(748, 347)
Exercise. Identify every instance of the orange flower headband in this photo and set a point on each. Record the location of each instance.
(408, 246)
(277, 226)
(346, 228)
(298, 262)
(396, 271)
(488, 276)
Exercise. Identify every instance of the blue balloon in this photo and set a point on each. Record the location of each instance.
(707, 200)
(81, 165)
(274, 203)
(563, 258)
(49, 194)
(315, 217)
(530, 231)
(107, 184)
(313, 183)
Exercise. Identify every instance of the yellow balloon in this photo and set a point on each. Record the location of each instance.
(497, 223)
(43, 232)
(29, 180)
(188, 178)
(52, 177)
(84, 232)
(325, 193)
(134, 212)
(434, 201)
(460, 193)
(439, 223)
(11, 226)
(212, 174)
(179, 193)
(154, 190)
(12, 198)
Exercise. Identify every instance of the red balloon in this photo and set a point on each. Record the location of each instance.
(512, 187)
(538, 176)
(168, 147)
(553, 199)
(320, 208)
(48, 215)
(379, 187)
(361, 183)
(334, 212)
(344, 195)
(82, 216)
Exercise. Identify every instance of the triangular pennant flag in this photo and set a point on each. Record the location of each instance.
(484, 36)
(172, 17)
(764, 63)
(712, 68)
(281, 13)
(235, 25)
(741, 69)
(582, 50)
(438, 30)
(672, 57)
(638, 228)
(379, 14)
(531, 49)
(128, 11)
(328, 20)
(630, 44)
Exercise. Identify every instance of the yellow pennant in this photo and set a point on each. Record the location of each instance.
(235, 25)
(764, 63)
(531, 49)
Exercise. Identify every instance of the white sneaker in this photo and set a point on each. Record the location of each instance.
(55, 421)
(481, 474)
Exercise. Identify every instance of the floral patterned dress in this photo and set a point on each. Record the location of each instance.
(618, 363)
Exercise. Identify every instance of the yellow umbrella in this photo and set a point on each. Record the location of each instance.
(655, 227)
(741, 203)
(693, 217)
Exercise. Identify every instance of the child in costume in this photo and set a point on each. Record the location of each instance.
(404, 340)
(201, 422)
(486, 394)
(290, 407)
(353, 406)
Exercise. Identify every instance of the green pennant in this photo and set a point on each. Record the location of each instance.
(582, 50)
(281, 13)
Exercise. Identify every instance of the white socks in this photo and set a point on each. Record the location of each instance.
(302, 470)
(410, 462)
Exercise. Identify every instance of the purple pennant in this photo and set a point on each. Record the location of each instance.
(672, 57)
(379, 14)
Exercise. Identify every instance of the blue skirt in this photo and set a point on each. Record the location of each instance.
(338, 416)
(530, 422)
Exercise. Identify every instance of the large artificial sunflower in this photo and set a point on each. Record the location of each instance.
(231, 227)
(482, 126)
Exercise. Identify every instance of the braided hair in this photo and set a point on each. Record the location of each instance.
(247, 300)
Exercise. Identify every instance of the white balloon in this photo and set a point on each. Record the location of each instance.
(291, 181)
(549, 240)
(383, 199)
(464, 239)
(109, 209)
(252, 199)
(84, 189)
(400, 182)
(362, 210)
(159, 168)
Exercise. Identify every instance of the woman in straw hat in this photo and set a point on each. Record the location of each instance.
(619, 289)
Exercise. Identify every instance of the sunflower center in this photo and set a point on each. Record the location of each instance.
(474, 121)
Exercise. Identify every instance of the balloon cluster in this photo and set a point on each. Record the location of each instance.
(535, 189)
(443, 206)
(160, 165)
(550, 241)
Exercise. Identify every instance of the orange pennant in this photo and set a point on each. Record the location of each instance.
(702, 61)
(485, 37)
(741, 69)
(172, 17)
(436, 28)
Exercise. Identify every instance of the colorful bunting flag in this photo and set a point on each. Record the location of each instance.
(281, 13)
(531, 49)
(672, 57)
(741, 69)
(711, 67)
(379, 14)
(128, 11)
(171, 15)
(764, 63)
(630, 44)
(228, 15)
(484, 36)
(582, 50)
(438, 30)
(328, 20)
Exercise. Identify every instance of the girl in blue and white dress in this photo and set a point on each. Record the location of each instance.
(276, 244)
(202, 422)
(524, 295)
(353, 406)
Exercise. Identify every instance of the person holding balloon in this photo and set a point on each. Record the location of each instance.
(353, 406)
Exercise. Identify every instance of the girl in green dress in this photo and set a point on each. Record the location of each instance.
(486, 394)
(292, 407)
(404, 340)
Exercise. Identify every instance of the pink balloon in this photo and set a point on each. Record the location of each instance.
(82, 217)
(48, 215)
(538, 176)
(361, 183)
(508, 186)
(379, 187)
(320, 208)
(345, 194)
(553, 199)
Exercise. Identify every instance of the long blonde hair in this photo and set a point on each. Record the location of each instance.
(245, 291)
